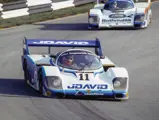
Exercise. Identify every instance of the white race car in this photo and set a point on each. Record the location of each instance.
(120, 13)
(74, 72)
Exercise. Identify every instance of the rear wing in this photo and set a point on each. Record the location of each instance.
(144, 1)
(61, 43)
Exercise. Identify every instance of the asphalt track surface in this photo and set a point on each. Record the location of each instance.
(137, 50)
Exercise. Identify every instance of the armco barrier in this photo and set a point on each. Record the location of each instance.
(39, 8)
(15, 5)
(15, 13)
(27, 7)
(81, 2)
(1, 10)
(14, 9)
(63, 4)
(1, 7)
(31, 3)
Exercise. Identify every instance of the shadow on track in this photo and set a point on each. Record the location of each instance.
(91, 99)
(74, 27)
(16, 87)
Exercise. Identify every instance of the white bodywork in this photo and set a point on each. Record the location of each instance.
(69, 79)
(99, 17)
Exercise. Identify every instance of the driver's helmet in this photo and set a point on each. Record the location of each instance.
(68, 60)
(115, 4)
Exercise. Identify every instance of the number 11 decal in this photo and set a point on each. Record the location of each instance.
(84, 76)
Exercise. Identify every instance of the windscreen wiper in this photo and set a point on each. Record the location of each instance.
(88, 64)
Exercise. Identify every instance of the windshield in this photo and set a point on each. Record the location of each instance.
(119, 5)
(79, 60)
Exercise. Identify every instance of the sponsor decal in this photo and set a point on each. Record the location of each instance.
(88, 91)
(94, 93)
(88, 86)
(114, 20)
(117, 16)
(82, 53)
(75, 53)
(62, 42)
(118, 12)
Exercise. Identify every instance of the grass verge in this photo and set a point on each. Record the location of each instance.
(6, 23)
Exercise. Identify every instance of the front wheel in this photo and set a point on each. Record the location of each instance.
(25, 73)
(93, 27)
(40, 83)
(89, 27)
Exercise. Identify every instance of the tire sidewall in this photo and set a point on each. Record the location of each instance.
(40, 82)
(25, 73)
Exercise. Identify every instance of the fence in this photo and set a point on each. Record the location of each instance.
(27, 7)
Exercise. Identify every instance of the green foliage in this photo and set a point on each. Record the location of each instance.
(5, 23)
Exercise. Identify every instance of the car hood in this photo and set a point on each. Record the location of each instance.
(93, 80)
(119, 13)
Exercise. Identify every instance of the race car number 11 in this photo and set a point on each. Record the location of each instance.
(83, 77)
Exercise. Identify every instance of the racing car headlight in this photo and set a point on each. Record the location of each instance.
(120, 83)
(54, 82)
(90, 20)
(117, 84)
(93, 20)
(139, 18)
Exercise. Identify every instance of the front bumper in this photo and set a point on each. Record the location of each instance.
(115, 25)
(87, 93)
(109, 23)
(140, 24)
(136, 24)
(112, 25)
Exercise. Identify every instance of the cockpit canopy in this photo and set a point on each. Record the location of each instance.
(119, 5)
(79, 60)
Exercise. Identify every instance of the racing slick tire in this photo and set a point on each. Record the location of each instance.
(93, 27)
(41, 83)
(25, 73)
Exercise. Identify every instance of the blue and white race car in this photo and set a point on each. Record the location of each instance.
(74, 72)
(120, 13)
